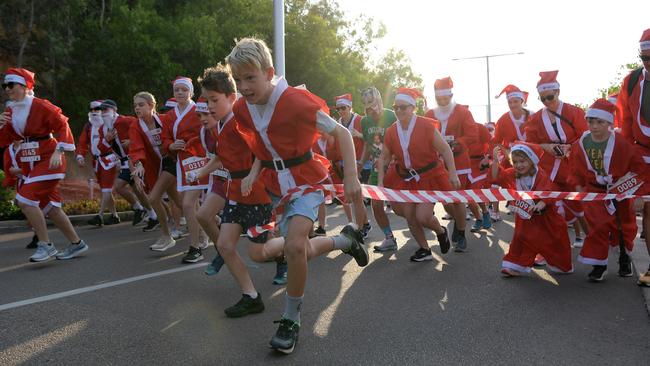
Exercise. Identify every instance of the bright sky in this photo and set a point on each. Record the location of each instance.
(586, 41)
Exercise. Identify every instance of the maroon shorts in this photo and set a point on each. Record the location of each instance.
(218, 186)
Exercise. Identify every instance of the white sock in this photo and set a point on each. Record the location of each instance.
(253, 295)
(152, 214)
(137, 206)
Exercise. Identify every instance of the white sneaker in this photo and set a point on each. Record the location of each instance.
(176, 234)
(163, 243)
(44, 252)
(578, 243)
(183, 221)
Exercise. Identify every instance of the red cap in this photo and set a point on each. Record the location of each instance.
(409, 95)
(20, 76)
(202, 105)
(443, 86)
(602, 109)
(184, 80)
(548, 81)
(344, 100)
(534, 152)
(644, 42)
(514, 92)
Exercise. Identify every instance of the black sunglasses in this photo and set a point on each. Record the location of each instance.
(547, 98)
(644, 58)
(9, 85)
(98, 109)
(341, 108)
(400, 107)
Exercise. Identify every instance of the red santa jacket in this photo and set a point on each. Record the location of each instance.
(539, 130)
(507, 131)
(145, 147)
(355, 124)
(9, 161)
(44, 128)
(461, 128)
(619, 158)
(92, 140)
(633, 126)
(286, 131)
(179, 126)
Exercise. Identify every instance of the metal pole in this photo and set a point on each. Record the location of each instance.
(489, 103)
(278, 36)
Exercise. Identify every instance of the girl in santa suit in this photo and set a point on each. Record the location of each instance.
(417, 146)
(511, 126)
(46, 136)
(554, 128)
(457, 126)
(539, 228)
(181, 124)
(602, 160)
(104, 161)
(146, 157)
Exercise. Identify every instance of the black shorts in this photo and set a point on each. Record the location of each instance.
(364, 176)
(125, 175)
(169, 165)
(248, 216)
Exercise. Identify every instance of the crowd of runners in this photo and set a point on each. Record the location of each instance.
(249, 155)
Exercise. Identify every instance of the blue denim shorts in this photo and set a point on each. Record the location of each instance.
(306, 206)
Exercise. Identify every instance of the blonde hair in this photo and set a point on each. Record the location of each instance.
(151, 100)
(250, 52)
(523, 155)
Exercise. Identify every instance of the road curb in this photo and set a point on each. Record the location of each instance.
(640, 259)
(16, 226)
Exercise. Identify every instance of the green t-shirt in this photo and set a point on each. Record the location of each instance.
(373, 131)
(595, 152)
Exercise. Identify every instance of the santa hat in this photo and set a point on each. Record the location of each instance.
(602, 109)
(202, 105)
(344, 100)
(182, 80)
(613, 98)
(514, 92)
(532, 151)
(20, 76)
(443, 87)
(95, 104)
(408, 95)
(644, 42)
(171, 103)
(548, 81)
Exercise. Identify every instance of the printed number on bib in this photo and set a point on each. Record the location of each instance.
(29, 152)
(522, 208)
(627, 184)
(155, 136)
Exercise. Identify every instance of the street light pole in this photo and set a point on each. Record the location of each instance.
(278, 36)
(487, 63)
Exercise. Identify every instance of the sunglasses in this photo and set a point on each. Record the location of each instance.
(644, 58)
(9, 85)
(96, 109)
(547, 98)
(341, 108)
(400, 107)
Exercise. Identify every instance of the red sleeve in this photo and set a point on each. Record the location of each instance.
(167, 134)
(580, 122)
(626, 118)
(470, 130)
(498, 133)
(122, 126)
(10, 179)
(82, 145)
(137, 149)
(533, 134)
(577, 166)
(58, 124)
(429, 114)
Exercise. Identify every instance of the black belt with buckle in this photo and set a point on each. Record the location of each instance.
(279, 164)
(411, 173)
(38, 138)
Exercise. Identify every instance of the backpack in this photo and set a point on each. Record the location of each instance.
(634, 79)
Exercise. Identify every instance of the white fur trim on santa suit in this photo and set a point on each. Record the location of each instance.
(515, 266)
(404, 142)
(600, 114)
(443, 92)
(645, 45)
(40, 178)
(13, 78)
(519, 95)
(592, 261)
(405, 98)
(66, 146)
(343, 102)
(548, 86)
(526, 150)
(46, 210)
(26, 201)
(170, 104)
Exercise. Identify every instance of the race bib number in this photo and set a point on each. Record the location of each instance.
(627, 184)
(522, 208)
(221, 173)
(155, 136)
(193, 163)
(29, 152)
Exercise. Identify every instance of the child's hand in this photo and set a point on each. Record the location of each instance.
(539, 207)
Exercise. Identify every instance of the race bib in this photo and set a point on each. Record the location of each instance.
(627, 184)
(522, 208)
(29, 152)
(193, 163)
(155, 136)
(221, 173)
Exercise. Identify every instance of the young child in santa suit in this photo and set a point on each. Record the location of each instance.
(280, 124)
(417, 147)
(104, 161)
(555, 128)
(603, 161)
(457, 126)
(539, 228)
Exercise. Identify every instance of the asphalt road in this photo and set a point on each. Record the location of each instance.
(454, 310)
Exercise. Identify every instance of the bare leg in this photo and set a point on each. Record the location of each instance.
(296, 245)
(226, 245)
(190, 200)
(205, 216)
(379, 213)
(62, 222)
(35, 217)
(155, 199)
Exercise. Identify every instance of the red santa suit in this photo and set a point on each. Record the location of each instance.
(103, 159)
(477, 152)
(209, 141)
(146, 147)
(544, 233)
(417, 164)
(184, 126)
(618, 159)
(283, 136)
(123, 125)
(354, 124)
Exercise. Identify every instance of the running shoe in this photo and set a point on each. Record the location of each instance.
(478, 226)
(598, 274)
(33, 244)
(387, 245)
(320, 231)
(644, 279)
(138, 215)
(357, 250)
(365, 230)
(422, 255)
(509, 272)
(625, 266)
(43, 252)
(112, 220)
(193, 255)
(461, 244)
(97, 220)
(578, 242)
(163, 243)
(443, 240)
(151, 225)
(286, 337)
(246, 305)
(214, 267)
(487, 221)
(73, 250)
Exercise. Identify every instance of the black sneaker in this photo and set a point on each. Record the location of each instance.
(454, 234)
(286, 337)
(96, 221)
(643, 234)
(193, 255)
(151, 225)
(320, 231)
(624, 266)
(461, 242)
(443, 239)
(33, 244)
(138, 215)
(365, 230)
(247, 305)
(598, 274)
(357, 250)
(422, 255)
(112, 220)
